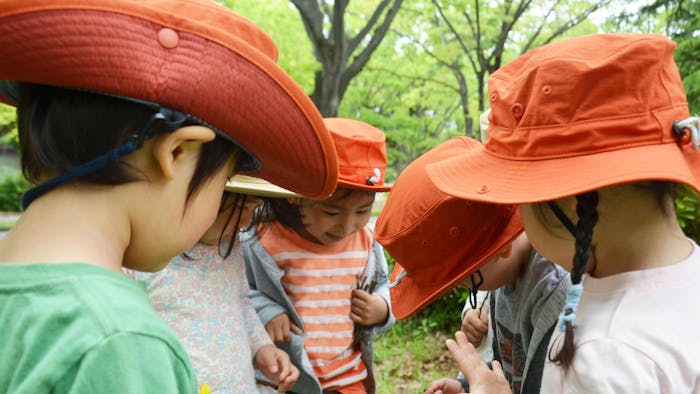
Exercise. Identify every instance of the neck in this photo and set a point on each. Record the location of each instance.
(64, 226)
(637, 235)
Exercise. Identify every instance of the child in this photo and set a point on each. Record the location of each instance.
(131, 116)
(439, 241)
(527, 293)
(303, 271)
(203, 296)
(595, 131)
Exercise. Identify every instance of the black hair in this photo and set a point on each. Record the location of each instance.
(60, 129)
(288, 214)
(586, 209)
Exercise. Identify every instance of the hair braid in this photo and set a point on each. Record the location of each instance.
(586, 209)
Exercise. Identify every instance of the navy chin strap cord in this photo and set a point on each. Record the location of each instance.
(562, 217)
(474, 289)
(164, 120)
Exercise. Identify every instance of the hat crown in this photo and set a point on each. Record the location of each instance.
(361, 150)
(435, 236)
(194, 56)
(586, 95)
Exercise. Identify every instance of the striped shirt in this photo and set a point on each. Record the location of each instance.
(318, 280)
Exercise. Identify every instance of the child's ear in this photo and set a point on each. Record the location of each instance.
(170, 147)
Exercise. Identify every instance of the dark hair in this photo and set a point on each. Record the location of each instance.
(235, 202)
(60, 129)
(586, 210)
(281, 210)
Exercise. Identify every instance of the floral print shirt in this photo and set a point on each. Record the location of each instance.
(204, 298)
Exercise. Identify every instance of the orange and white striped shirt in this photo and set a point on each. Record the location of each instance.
(319, 279)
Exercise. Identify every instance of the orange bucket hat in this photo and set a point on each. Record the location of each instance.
(193, 56)
(576, 116)
(438, 240)
(361, 154)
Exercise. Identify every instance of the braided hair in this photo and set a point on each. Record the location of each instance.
(586, 209)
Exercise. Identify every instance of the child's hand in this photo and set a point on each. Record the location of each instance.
(481, 379)
(368, 309)
(475, 327)
(445, 386)
(274, 363)
(279, 326)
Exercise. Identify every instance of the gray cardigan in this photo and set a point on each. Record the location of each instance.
(269, 299)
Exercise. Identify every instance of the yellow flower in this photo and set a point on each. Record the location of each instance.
(204, 389)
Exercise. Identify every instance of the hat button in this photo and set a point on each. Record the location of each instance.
(168, 38)
(454, 231)
(517, 111)
(484, 189)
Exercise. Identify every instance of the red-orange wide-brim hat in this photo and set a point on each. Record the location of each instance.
(577, 116)
(438, 240)
(361, 154)
(194, 56)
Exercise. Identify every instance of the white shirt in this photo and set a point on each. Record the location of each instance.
(637, 332)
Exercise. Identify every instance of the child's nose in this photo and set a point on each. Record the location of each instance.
(348, 225)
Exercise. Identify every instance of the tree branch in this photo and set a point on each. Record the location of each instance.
(355, 41)
(423, 47)
(312, 18)
(573, 22)
(414, 77)
(363, 57)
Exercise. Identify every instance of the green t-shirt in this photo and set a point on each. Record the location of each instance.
(80, 328)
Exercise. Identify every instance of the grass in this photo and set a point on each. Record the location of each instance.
(408, 359)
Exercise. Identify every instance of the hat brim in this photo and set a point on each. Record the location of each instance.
(375, 188)
(257, 187)
(408, 296)
(495, 179)
(113, 46)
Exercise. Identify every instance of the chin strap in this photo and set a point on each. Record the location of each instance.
(164, 120)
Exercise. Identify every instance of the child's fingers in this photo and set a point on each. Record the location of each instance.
(268, 361)
(358, 309)
(356, 318)
(295, 329)
(361, 295)
(287, 383)
(282, 362)
(358, 302)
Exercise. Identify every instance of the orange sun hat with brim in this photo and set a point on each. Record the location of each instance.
(438, 240)
(576, 116)
(193, 56)
(361, 154)
(244, 184)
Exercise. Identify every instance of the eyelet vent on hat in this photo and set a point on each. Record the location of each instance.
(517, 110)
(455, 231)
